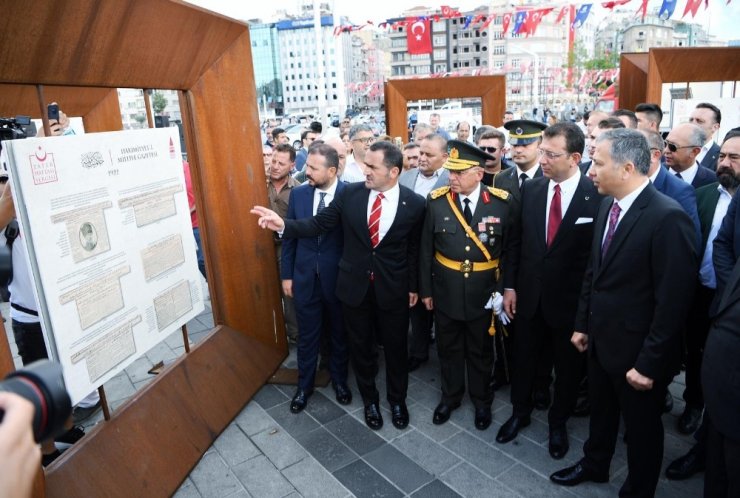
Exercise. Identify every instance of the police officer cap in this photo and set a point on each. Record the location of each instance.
(462, 155)
(524, 131)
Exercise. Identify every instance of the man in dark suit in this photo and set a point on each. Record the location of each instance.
(609, 123)
(543, 277)
(637, 290)
(463, 240)
(377, 281)
(309, 276)
(682, 145)
(708, 117)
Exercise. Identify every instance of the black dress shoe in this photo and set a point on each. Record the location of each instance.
(576, 475)
(300, 400)
(689, 420)
(583, 408)
(344, 395)
(558, 442)
(684, 467)
(415, 363)
(399, 415)
(442, 412)
(668, 404)
(511, 427)
(482, 418)
(541, 399)
(373, 419)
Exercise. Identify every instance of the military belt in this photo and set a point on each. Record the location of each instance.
(466, 266)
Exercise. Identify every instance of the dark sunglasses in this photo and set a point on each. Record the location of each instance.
(488, 149)
(673, 147)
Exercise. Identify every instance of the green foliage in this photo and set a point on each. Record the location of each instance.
(159, 102)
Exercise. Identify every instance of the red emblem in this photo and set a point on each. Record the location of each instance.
(486, 197)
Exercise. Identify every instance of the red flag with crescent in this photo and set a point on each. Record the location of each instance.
(506, 22)
(418, 37)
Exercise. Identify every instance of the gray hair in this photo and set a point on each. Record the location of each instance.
(628, 146)
(654, 140)
(359, 128)
(480, 131)
(698, 137)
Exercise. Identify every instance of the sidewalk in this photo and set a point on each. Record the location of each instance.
(327, 450)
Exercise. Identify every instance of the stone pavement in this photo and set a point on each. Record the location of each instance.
(328, 451)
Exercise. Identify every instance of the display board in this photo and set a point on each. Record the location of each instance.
(106, 221)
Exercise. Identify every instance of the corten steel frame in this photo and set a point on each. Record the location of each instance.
(77, 52)
(490, 89)
(641, 76)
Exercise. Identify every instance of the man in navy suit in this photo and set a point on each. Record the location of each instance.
(636, 294)
(708, 117)
(309, 276)
(377, 280)
(682, 145)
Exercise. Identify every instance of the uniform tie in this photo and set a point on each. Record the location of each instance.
(467, 213)
(522, 178)
(373, 223)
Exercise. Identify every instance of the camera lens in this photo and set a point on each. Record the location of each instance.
(42, 384)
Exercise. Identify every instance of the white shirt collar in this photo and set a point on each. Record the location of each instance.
(566, 186)
(626, 202)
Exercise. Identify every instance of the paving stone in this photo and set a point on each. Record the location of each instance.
(489, 460)
(422, 422)
(326, 449)
(195, 326)
(187, 490)
(269, 396)
(294, 424)
(161, 352)
(242, 493)
(262, 479)
(532, 455)
(234, 446)
(530, 484)
(322, 409)
(357, 436)
(362, 480)
(425, 394)
(139, 370)
(197, 337)
(430, 455)
(471, 483)
(141, 384)
(174, 340)
(312, 480)
(279, 447)
(206, 319)
(398, 468)
(253, 419)
(119, 388)
(437, 489)
(213, 478)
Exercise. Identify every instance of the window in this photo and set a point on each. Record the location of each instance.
(499, 50)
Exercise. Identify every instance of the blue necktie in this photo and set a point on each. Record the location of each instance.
(320, 208)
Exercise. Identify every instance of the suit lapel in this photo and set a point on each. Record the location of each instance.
(400, 210)
(539, 194)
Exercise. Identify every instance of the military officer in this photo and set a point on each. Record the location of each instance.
(463, 240)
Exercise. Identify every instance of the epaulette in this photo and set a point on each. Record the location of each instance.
(500, 193)
(439, 192)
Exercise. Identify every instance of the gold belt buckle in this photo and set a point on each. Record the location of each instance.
(466, 266)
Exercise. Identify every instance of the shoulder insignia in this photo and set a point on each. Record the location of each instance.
(500, 193)
(439, 192)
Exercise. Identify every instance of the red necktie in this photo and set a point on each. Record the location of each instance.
(556, 216)
(373, 223)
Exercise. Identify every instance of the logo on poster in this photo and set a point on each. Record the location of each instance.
(172, 149)
(43, 168)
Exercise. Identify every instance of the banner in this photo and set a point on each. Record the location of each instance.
(419, 37)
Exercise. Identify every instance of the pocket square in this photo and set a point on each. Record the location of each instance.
(581, 221)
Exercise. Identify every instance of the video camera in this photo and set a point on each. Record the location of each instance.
(42, 384)
(14, 128)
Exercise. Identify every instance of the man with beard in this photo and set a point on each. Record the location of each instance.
(309, 276)
(713, 201)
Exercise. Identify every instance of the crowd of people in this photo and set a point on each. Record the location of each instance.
(583, 262)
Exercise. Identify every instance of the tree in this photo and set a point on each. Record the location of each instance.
(140, 118)
(159, 102)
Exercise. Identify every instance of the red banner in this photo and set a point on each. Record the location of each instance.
(419, 37)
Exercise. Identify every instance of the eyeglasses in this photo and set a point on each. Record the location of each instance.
(673, 147)
(550, 154)
(365, 141)
(488, 149)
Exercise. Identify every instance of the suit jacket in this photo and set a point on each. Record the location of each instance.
(585, 166)
(711, 157)
(459, 296)
(408, 178)
(704, 176)
(726, 249)
(393, 264)
(300, 159)
(551, 277)
(508, 180)
(706, 203)
(303, 258)
(634, 303)
(720, 368)
(684, 194)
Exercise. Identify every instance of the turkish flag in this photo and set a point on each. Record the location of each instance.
(506, 22)
(419, 37)
(691, 6)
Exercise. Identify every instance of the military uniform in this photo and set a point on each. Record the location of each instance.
(460, 277)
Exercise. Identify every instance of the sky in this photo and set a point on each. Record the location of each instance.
(720, 18)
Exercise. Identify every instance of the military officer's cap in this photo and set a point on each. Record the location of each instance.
(524, 131)
(462, 155)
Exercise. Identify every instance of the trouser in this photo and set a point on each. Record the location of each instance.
(421, 331)
(30, 341)
(697, 330)
(722, 478)
(291, 324)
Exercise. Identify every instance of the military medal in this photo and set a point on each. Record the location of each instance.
(483, 237)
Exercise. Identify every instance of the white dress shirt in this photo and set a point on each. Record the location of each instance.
(625, 204)
(353, 172)
(330, 193)
(688, 174)
(424, 184)
(474, 196)
(388, 208)
(567, 191)
(704, 150)
(706, 270)
(530, 173)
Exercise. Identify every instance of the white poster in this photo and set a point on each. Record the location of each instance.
(107, 224)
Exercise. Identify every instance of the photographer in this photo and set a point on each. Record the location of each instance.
(19, 451)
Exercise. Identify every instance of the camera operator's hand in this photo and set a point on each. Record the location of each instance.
(21, 455)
